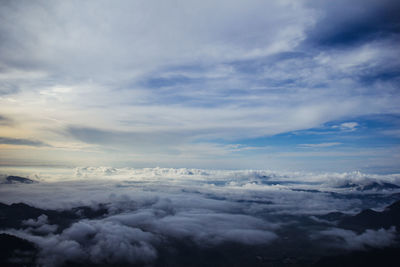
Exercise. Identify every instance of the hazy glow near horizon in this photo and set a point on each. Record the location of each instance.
(293, 85)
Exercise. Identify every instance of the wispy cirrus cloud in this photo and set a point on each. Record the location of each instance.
(22, 142)
(210, 72)
(320, 145)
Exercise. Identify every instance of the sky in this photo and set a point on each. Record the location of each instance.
(290, 85)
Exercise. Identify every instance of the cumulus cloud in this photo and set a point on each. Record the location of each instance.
(40, 225)
(42, 219)
(54, 252)
(150, 209)
(133, 233)
(111, 242)
(94, 241)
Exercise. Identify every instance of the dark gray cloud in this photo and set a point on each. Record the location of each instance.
(21, 142)
(361, 22)
(152, 141)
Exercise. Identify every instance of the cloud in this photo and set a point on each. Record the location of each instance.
(110, 242)
(95, 241)
(217, 191)
(370, 238)
(134, 230)
(150, 209)
(40, 225)
(212, 73)
(347, 126)
(203, 227)
(126, 139)
(42, 219)
(5, 121)
(54, 251)
(320, 145)
(135, 237)
(21, 142)
(366, 21)
(199, 33)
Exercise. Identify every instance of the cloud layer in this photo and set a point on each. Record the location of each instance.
(152, 211)
(140, 81)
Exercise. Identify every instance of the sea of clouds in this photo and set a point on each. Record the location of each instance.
(147, 207)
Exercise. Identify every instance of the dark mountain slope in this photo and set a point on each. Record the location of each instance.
(370, 219)
(16, 252)
(11, 216)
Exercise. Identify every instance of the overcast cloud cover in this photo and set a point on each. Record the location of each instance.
(210, 84)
